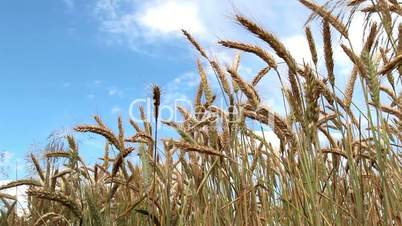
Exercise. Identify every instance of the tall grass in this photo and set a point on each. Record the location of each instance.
(221, 171)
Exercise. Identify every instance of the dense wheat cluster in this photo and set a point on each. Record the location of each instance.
(221, 171)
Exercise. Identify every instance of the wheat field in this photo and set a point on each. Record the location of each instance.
(339, 162)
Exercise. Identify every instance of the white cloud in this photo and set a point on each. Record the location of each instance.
(298, 46)
(167, 17)
(140, 24)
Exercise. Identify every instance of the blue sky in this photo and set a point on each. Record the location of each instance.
(62, 61)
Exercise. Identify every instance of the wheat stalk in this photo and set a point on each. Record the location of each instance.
(353, 76)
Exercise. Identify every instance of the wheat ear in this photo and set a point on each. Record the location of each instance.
(29, 182)
(392, 64)
(328, 53)
(196, 148)
(58, 197)
(264, 55)
(195, 43)
(204, 81)
(248, 90)
(48, 216)
(325, 14)
(311, 44)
